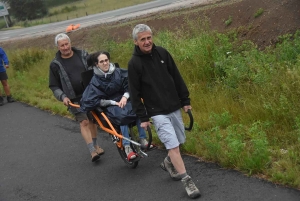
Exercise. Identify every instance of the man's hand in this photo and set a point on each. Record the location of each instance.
(145, 125)
(187, 107)
(66, 101)
(6, 66)
(122, 102)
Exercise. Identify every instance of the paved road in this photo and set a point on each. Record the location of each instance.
(43, 157)
(100, 18)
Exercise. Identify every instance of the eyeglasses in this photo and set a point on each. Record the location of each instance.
(102, 61)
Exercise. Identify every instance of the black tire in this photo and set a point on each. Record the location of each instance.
(149, 137)
(132, 163)
(135, 137)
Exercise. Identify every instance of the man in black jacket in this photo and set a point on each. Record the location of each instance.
(158, 91)
(65, 83)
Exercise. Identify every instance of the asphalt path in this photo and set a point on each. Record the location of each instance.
(43, 157)
(100, 18)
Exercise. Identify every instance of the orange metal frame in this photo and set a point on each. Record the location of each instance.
(110, 130)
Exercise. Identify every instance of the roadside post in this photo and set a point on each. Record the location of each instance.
(3, 12)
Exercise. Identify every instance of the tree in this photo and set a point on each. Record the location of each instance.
(27, 9)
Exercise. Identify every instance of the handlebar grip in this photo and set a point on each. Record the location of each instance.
(73, 105)
(189, 112)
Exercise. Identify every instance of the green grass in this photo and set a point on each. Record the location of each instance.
(228, 21)
(245, 101)
(259, 12)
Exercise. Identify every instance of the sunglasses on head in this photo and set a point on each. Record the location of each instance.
(102, 61)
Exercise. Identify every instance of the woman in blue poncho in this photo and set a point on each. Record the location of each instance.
(108, 88)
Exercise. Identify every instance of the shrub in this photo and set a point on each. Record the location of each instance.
(258, 12)
(23, 59)
(228, 21)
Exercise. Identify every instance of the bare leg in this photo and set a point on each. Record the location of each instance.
(6, 87)
(93, 129)
(85, 131)
(176, 160)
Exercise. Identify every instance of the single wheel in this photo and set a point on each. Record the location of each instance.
(135, 137)
(132, 163)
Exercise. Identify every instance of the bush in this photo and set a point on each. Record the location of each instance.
(228, 21)
(23, 59)
(258, 12)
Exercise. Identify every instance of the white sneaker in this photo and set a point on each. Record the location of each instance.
(144, 144)
(129, 152)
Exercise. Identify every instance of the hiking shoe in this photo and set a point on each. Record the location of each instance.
(168, 166)
(144, 144)
(10, 99)
(99, 150)
(129, 152)
(95, 156)
(191, 189)
(1, 101)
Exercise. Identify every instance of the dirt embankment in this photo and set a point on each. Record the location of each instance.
(279, 17)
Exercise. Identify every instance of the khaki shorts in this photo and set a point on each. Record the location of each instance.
(170, 129)
(83, 116)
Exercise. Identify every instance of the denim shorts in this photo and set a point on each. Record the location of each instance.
(170, 129)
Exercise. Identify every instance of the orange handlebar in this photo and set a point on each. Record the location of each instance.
(74, 105)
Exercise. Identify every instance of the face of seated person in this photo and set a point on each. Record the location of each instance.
(103, 63)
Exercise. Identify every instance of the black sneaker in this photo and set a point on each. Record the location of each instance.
(10, 99)
(1, 100)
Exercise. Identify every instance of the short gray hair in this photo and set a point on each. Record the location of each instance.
(138, 29)
(61, 36)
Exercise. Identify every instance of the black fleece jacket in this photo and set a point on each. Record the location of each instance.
(155, 84)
